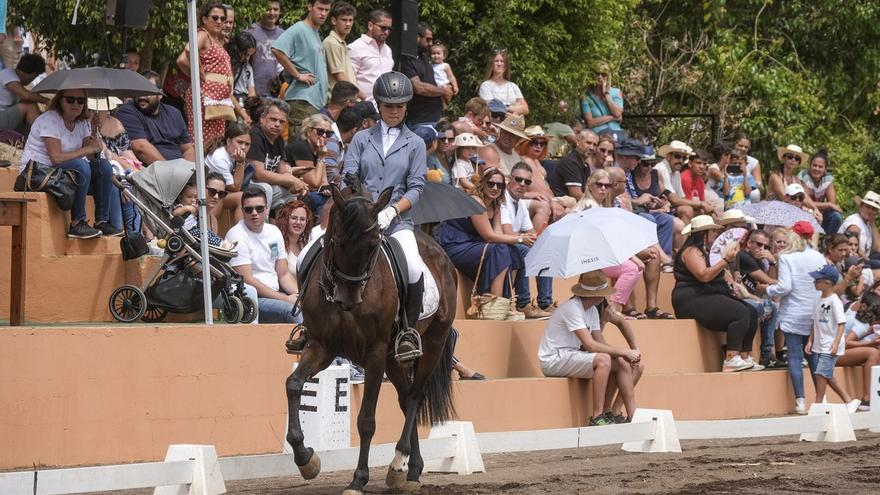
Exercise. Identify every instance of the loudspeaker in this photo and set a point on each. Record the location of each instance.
(128, 13)
(405, 18)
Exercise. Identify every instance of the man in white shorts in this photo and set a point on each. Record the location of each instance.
(569, 349)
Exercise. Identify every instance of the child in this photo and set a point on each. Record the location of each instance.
(736, 187)
(187, 203)
(465, 146)
(443, 75)
(826, 343)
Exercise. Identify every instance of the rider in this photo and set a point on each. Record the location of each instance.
(390, 155)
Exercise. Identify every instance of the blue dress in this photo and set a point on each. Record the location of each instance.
(464, 246)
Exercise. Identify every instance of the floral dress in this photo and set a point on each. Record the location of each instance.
(214, 63)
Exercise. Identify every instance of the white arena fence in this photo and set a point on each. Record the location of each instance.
(450, 448)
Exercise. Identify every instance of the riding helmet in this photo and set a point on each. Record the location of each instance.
(392, 87)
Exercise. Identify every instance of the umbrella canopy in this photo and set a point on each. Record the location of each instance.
(589, 240)
(728, 237)
(163, 181)
(780, 214)
(98, 82)
(441, 202)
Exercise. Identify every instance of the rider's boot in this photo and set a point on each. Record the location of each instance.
(295, 345)
(408, 343)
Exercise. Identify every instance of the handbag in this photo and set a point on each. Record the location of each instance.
(56, 182)
(488, 306)
(133, 244)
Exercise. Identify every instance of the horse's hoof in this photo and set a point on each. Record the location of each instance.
(411, 487)
(349, 491)
(311, 469)
(395, 478)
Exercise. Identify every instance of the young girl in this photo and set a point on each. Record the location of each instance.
(226, 157)
(465, 146)
(443, 75)
(241, 49)
(736, 188)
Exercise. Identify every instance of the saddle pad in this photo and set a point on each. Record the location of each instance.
(431, 296)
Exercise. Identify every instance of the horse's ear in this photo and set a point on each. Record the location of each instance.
(337, 195)
(383, 200)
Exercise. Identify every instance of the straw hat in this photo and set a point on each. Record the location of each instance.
(791, 149)
(734, 215)
(103, 104)
(592, 284)
(514, 124)
(535, 132)
(675, 147)
(872, 199)
(466, 139)
(700, 223)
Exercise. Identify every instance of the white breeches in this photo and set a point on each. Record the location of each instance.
(410, 247)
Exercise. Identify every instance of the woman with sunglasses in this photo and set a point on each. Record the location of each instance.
(62, 137)
(466, 239)
(227, 157)
(187, 206)
(542, 206)
(498, 86)
(819, 185)
(306, 158)
(215, 71)
(790, 159)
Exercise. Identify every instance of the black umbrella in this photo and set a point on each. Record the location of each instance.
(441, 202)
(98, 82)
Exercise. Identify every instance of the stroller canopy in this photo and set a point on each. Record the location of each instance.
(163, 181)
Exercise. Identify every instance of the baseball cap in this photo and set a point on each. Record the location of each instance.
(827, 272)
(427, 133)
(497, 106)
(366, 110)
(794, 189)
(630, 147)
(803, 228)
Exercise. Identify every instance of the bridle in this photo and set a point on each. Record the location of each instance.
(333, 275)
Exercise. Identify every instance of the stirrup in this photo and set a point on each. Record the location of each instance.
(296, 344)
(407, 345)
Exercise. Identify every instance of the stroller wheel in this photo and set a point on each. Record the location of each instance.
(154, 314)
(128, 303)
(233, 309)
(250, 310)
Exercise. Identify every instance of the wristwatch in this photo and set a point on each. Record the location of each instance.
(519, 240)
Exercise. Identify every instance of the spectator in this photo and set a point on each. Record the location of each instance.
(515, 220)
(864, 221)
(716, 173)
(476, 117)
(348, 124)
(443, 74)
(602, 106)
(604, 157)
(343, 96)
(188, 208)
(736, 188)
(116, 141)
(241, 49)
(435, 172)
(427, 103)
(368, 113)
(445, 151)
(299, 51)
(132, 60)
(693, 184)
(819, 183)
(862, 342)
(62, 137)
(265, 32)
(215, 73)
(229, 25)
(569, 177)
(466, 146)
(826, 342)
(262, 260)
(562, 139)
(295, 220)
(370, 55)
(798, 297)
(497, 84)
(573, 346)
(649, 198)
(502, 153)
(306, 157)
(339, 66)
(790, 158)
(756, 269)
(675, 157)
(228, 158)
(480, 238)
(542, 205)
(752, 168)
(271, 172)
(18, 105)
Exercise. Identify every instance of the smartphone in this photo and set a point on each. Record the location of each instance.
(325, 189)
(734, 169)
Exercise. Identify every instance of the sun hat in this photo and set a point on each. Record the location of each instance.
(497, 106)
(535, 131)
(791, 149)
(675, 147)
(648, 154)
(794, 189)
(827, 272)
(103, 104)
(734, 215)
(872, 199)
(700, 223)
(466, 139)
(514, 124)
(629, 147)
(803, 228)
(592, 284)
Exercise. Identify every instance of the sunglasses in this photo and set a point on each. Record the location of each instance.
(218, 18)
(538, 144)
(604, 185)
(251, 209)
(447, 139)
(494, 185)
(789, 156)
(385, 29)
(850, 234)
(216, 192)
(678, 156)
(324, 132)
(523, 180)
(79, 100)
(797, 197)
(762, 244)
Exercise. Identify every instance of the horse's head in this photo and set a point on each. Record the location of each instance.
(353, 244)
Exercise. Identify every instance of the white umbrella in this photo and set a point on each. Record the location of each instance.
(589, 240)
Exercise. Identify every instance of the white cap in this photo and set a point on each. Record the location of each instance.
(794, 189)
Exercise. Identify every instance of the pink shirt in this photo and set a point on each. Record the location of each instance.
(369, 61)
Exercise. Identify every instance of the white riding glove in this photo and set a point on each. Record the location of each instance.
(385, 217)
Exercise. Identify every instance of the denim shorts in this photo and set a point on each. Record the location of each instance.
(825, 365)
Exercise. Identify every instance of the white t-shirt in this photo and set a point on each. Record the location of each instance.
(51, 124)
(508, 92)
(516, 214)
(219, 161)
(7, 76)
(672, 180)
(260, 250)
(559, 334)
(462, 169)
(827, 315)
(862, 330)
(244, 79)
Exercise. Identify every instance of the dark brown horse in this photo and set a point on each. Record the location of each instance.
(349, 307)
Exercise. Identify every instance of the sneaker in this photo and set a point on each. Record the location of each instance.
(755, 367)
(533, 312)
(800, 406)
(736, 363)
(600, 420)
(616, 418)
(82, 230)
(515, 315)
(853, 405)
(550, 308)
(865, 406)
(107, 229)
(356, 375)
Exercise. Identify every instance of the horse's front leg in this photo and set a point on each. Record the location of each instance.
(374, 368)
(314, 359)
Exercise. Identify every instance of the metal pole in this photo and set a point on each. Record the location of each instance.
(200, 166)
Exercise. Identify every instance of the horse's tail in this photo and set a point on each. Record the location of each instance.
(436, 403)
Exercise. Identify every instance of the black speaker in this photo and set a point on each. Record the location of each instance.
(405, 18)
(128, 13)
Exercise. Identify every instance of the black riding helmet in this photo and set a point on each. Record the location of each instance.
(392, 87)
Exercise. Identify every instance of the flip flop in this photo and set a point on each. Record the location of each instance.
(476, 376)
(656, 314)
(632, 313)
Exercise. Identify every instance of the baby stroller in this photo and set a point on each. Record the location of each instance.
(175, 285)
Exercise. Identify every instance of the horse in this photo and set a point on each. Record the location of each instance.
(349, 306)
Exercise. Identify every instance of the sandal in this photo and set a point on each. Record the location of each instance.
(656, 314)
(632, 313)
(476, 376)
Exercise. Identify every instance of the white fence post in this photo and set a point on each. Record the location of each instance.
(207, 478)
(665, 434)
(467, 460)
(325, 410)
(838, 426)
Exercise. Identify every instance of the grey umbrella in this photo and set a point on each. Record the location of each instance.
(442, 202)
(98, 82)
(780, 214)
